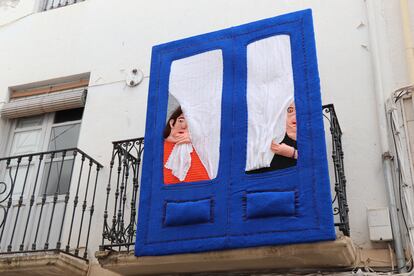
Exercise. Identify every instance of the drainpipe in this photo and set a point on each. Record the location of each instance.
(408, 40)
(379, 62)
(399, 252)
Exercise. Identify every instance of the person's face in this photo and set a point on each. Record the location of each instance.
(180, 127)
(291, 121)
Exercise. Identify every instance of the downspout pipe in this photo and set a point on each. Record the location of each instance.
(392, 203)
(377, 65)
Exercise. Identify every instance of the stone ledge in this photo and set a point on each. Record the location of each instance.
(42, 263)
(340, 253)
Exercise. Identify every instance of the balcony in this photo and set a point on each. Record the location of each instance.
(120, 221)
(119, 229)
(339, 202)
(47, 203)
(54, 4)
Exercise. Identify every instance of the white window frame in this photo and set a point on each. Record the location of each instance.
(46, 131)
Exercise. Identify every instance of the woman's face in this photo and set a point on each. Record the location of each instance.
(291, 121)
(180, 127)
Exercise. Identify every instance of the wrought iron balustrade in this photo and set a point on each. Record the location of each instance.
(53, 4)
(47, 201)
(120, 213)
(339, 202)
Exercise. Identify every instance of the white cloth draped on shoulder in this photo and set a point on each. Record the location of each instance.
(270, 91)
(196, 82)
(179, 161)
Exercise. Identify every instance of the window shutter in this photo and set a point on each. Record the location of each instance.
(35, 105)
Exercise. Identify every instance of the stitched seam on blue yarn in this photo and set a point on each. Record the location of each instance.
(306, 76)
(229, 186)
(296, 203)
(228, 36)
(212, 206)
(151, 179)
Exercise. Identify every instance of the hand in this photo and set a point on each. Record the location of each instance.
(182, 138)
(283, 150)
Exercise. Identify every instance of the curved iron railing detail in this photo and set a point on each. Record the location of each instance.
(339, 202)
(119, 226)
(36, 191)
(3, 187)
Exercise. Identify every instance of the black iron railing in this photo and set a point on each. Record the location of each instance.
(47, 201)
(53, 4)
(339, 202)
(120, 209)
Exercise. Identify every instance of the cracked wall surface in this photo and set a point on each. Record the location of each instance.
(7, 4)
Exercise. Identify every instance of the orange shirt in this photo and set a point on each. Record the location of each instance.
(197, 172)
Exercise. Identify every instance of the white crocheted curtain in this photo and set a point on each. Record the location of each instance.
(196, 83)
(270, 91)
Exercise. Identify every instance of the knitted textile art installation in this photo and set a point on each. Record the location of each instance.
(247, 94)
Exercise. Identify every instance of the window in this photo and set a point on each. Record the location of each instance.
(53, 4)
(48, 132)
(271, 140)
(192, 131)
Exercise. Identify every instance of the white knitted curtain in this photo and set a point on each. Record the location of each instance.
(196, 82)
(270, 91)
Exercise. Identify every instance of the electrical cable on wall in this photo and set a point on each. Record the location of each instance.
(108, 83)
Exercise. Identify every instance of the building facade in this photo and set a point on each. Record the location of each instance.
(74, 80)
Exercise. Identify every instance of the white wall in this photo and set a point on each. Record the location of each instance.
(14, 10)
(107, 38)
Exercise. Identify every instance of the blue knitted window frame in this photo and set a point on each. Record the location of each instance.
(305, 188)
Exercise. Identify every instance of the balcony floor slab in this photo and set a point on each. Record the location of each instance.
(45, 263)
(336, 254)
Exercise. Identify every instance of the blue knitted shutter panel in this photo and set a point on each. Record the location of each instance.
(235, 209)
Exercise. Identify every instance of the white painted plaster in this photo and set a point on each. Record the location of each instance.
(14, 10)
(108, 38)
